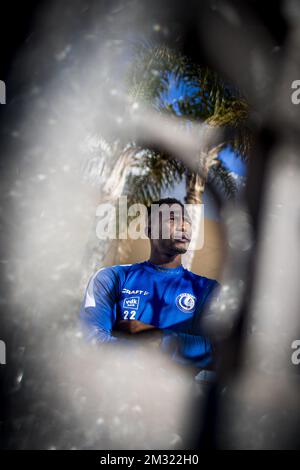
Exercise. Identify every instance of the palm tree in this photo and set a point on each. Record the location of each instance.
(201, 95)
(144, 173)
(105, 167)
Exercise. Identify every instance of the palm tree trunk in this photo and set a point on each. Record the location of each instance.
(195, 186)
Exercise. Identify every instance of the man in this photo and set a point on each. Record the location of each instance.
(157, 295)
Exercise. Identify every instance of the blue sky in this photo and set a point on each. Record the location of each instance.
(233, 162)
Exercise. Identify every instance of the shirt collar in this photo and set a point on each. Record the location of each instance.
(160, 269)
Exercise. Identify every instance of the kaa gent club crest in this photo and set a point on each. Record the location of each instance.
(186, 302)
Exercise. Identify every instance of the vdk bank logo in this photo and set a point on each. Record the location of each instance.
(131, 302)
(2, 92)
(2, 353)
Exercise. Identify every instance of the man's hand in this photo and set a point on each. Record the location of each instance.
(133, 326)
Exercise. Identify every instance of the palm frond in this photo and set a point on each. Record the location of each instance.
(206, 97)
(223, 179)
(153, 174)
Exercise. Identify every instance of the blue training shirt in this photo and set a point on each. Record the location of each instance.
(170, 299)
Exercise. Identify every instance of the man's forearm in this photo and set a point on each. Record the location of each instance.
(96, 334)
(134, 326)
(193, 348)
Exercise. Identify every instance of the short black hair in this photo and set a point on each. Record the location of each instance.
(165, 200)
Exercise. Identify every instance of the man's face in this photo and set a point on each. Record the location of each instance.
(171, 230)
